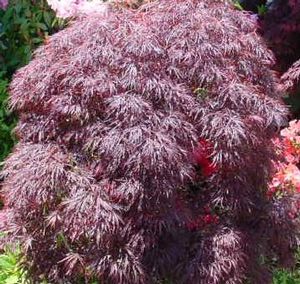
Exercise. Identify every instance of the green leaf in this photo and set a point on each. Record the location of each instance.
(47, 19)
(42, 26)
(237, 5)
(13, 279)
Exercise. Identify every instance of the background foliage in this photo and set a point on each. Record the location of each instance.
(288, 277)
(6, 121)
(23, 26)
(11, 271)
(279, 25)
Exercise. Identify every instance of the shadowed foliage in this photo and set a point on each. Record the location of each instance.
(279, 24)
(145, 150)
(281, 29)
(24, 25)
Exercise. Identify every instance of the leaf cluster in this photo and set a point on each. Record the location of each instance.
(11, 271)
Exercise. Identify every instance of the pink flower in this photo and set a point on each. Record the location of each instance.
(292, 130)
(287, 179)
(292, 174)
(3, 4)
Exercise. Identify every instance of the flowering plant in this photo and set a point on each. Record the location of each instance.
(287, 178)
(3, 4)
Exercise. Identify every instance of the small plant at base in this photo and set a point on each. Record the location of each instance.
(11, 272)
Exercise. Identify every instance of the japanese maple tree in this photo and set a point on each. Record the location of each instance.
(145, 149)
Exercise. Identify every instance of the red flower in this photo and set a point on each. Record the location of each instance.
(201, 157)
(202, 221)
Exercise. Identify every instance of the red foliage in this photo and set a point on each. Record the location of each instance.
(291, 79)
(103, 181)
(202, 157)
(202, 222)
(280, 27)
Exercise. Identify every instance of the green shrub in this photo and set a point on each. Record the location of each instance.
(288, 277)
(23, 26)
(6, 122)
(11, 272)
